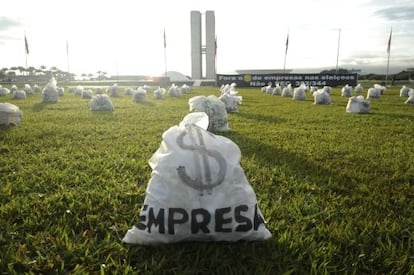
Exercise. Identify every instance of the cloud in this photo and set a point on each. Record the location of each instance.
(8, 23)
(397, 13)
(397, 10)
(4, 38)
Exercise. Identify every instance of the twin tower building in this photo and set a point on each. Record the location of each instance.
(198, 50)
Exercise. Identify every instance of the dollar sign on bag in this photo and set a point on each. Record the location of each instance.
(201, 156)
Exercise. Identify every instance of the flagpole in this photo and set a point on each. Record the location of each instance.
(388, 61)
(388, 67)
(215, 56)
(165, 54)
(25, 63)
(287, 43)
(67, 59)
(337, 53)
(26, 66)
(26, 51)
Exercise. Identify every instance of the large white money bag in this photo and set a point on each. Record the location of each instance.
(197, 191)
(10, 114)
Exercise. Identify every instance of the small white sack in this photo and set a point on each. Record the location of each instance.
(4, 91)
(373, 93)
(174, 91)
(50, 92)
(101, 102)
(36, 88)
(359, 89)
(78, 90)
(277, 90)
(299, 93)
(267, 89)
(380, 88)
(231, 102)
(410, 98)
(287, 91)
(197, 191)
(28, 89)
(19, 94)
(139, 95)
(185, 89)
(346, 91)
(357, 104)
(322, 97)
(10, 114)
(114, 90)
(87, 94)
(159, 93)
(214, 108)
(404, 91)
(327, 89)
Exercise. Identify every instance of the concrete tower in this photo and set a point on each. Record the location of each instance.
(210, 45)
(197, 50)
(196, 61)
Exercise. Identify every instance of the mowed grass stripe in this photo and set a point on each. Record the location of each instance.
(335, 188)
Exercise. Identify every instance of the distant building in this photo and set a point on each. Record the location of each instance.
(263, 71)
(197, 49)
(127, 77)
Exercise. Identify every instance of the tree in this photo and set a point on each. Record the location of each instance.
(2, 74)
(21, 69)
(31, 70)
(333, 71)
(38, 72)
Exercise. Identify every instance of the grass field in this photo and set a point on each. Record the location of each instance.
(336, 189)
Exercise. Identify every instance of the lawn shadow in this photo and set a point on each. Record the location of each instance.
(215, 257)
(146, 103)
(261, 117)
(37, 107)
(296, 165)
(6, 128)
(102, 112)
(395, 116)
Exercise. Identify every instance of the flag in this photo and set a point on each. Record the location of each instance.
(67, 48)
(165, 40)
(389, 43)
(26, 45)
(287, 43)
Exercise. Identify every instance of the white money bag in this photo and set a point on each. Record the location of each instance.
(197, 191)
(10, 114)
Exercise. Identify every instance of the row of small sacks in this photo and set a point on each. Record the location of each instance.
(114, 91)
(51, 92)
(323, 96)
(215, 108)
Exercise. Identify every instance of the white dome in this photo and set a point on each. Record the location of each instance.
(176, 76)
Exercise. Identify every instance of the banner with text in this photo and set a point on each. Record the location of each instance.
(260, 80)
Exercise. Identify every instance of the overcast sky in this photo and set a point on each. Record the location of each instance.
(126, 36)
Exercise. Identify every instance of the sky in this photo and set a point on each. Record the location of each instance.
(126, 37)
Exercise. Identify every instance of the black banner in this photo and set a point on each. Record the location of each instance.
(261, 80)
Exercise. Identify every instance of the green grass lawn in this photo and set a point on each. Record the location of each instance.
(337, 189)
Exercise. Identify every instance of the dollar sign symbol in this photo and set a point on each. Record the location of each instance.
(201, 162)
